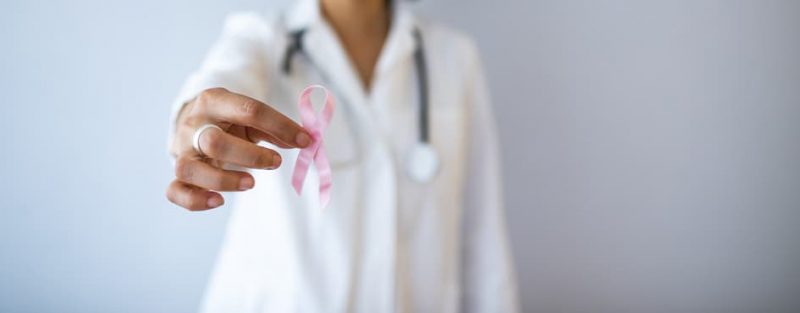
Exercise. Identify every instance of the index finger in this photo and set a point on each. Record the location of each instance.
(243, 110)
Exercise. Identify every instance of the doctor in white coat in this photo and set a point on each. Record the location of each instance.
(402, 232)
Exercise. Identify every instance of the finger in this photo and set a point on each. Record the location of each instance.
(201, 174)
(238, 109)
(228, 148)
(255, 135)
(193, 198)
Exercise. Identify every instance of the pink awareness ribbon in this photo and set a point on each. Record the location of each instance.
(315, 125)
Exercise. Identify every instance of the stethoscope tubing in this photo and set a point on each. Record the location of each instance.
(423, 161)
(296, 47)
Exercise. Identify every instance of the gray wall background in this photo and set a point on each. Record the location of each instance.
(651, 152)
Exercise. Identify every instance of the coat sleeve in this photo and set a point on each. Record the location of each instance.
(236, 61)
(488, 273)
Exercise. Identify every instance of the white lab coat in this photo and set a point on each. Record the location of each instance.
(385, 243)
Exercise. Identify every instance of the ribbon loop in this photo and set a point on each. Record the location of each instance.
(315, 124)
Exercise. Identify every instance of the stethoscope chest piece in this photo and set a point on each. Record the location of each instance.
(422, 163)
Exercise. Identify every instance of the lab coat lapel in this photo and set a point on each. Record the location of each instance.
(322, 47)
(400, 42)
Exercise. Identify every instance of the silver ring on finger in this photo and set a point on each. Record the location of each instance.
(198, 133)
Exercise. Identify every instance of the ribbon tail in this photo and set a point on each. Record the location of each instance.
(325, 176)
(301, 168)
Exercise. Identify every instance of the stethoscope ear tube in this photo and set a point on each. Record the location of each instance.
(295, 45)
(422, 78)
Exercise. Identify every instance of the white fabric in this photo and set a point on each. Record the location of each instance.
(385, 243)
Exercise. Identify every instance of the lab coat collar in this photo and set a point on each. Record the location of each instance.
(306, 14)
(303, 14)
(400, 42)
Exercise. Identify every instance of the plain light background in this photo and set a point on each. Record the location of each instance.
(651, 152)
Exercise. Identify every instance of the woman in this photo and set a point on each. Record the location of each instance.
(390, 240)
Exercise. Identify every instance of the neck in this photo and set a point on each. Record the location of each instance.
(362, 27)
(354, 15)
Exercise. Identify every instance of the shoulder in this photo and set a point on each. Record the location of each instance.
(449, 49)
(454, 57)
(252, 34)
(449, 42)
(250, 25)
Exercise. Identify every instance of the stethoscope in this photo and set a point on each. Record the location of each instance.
(422, 162)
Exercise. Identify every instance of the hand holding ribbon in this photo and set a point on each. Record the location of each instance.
(315, 125)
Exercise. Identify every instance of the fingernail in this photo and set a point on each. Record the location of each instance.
(302, 139)
(276, 161)
(214, 201)
(246, 183)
